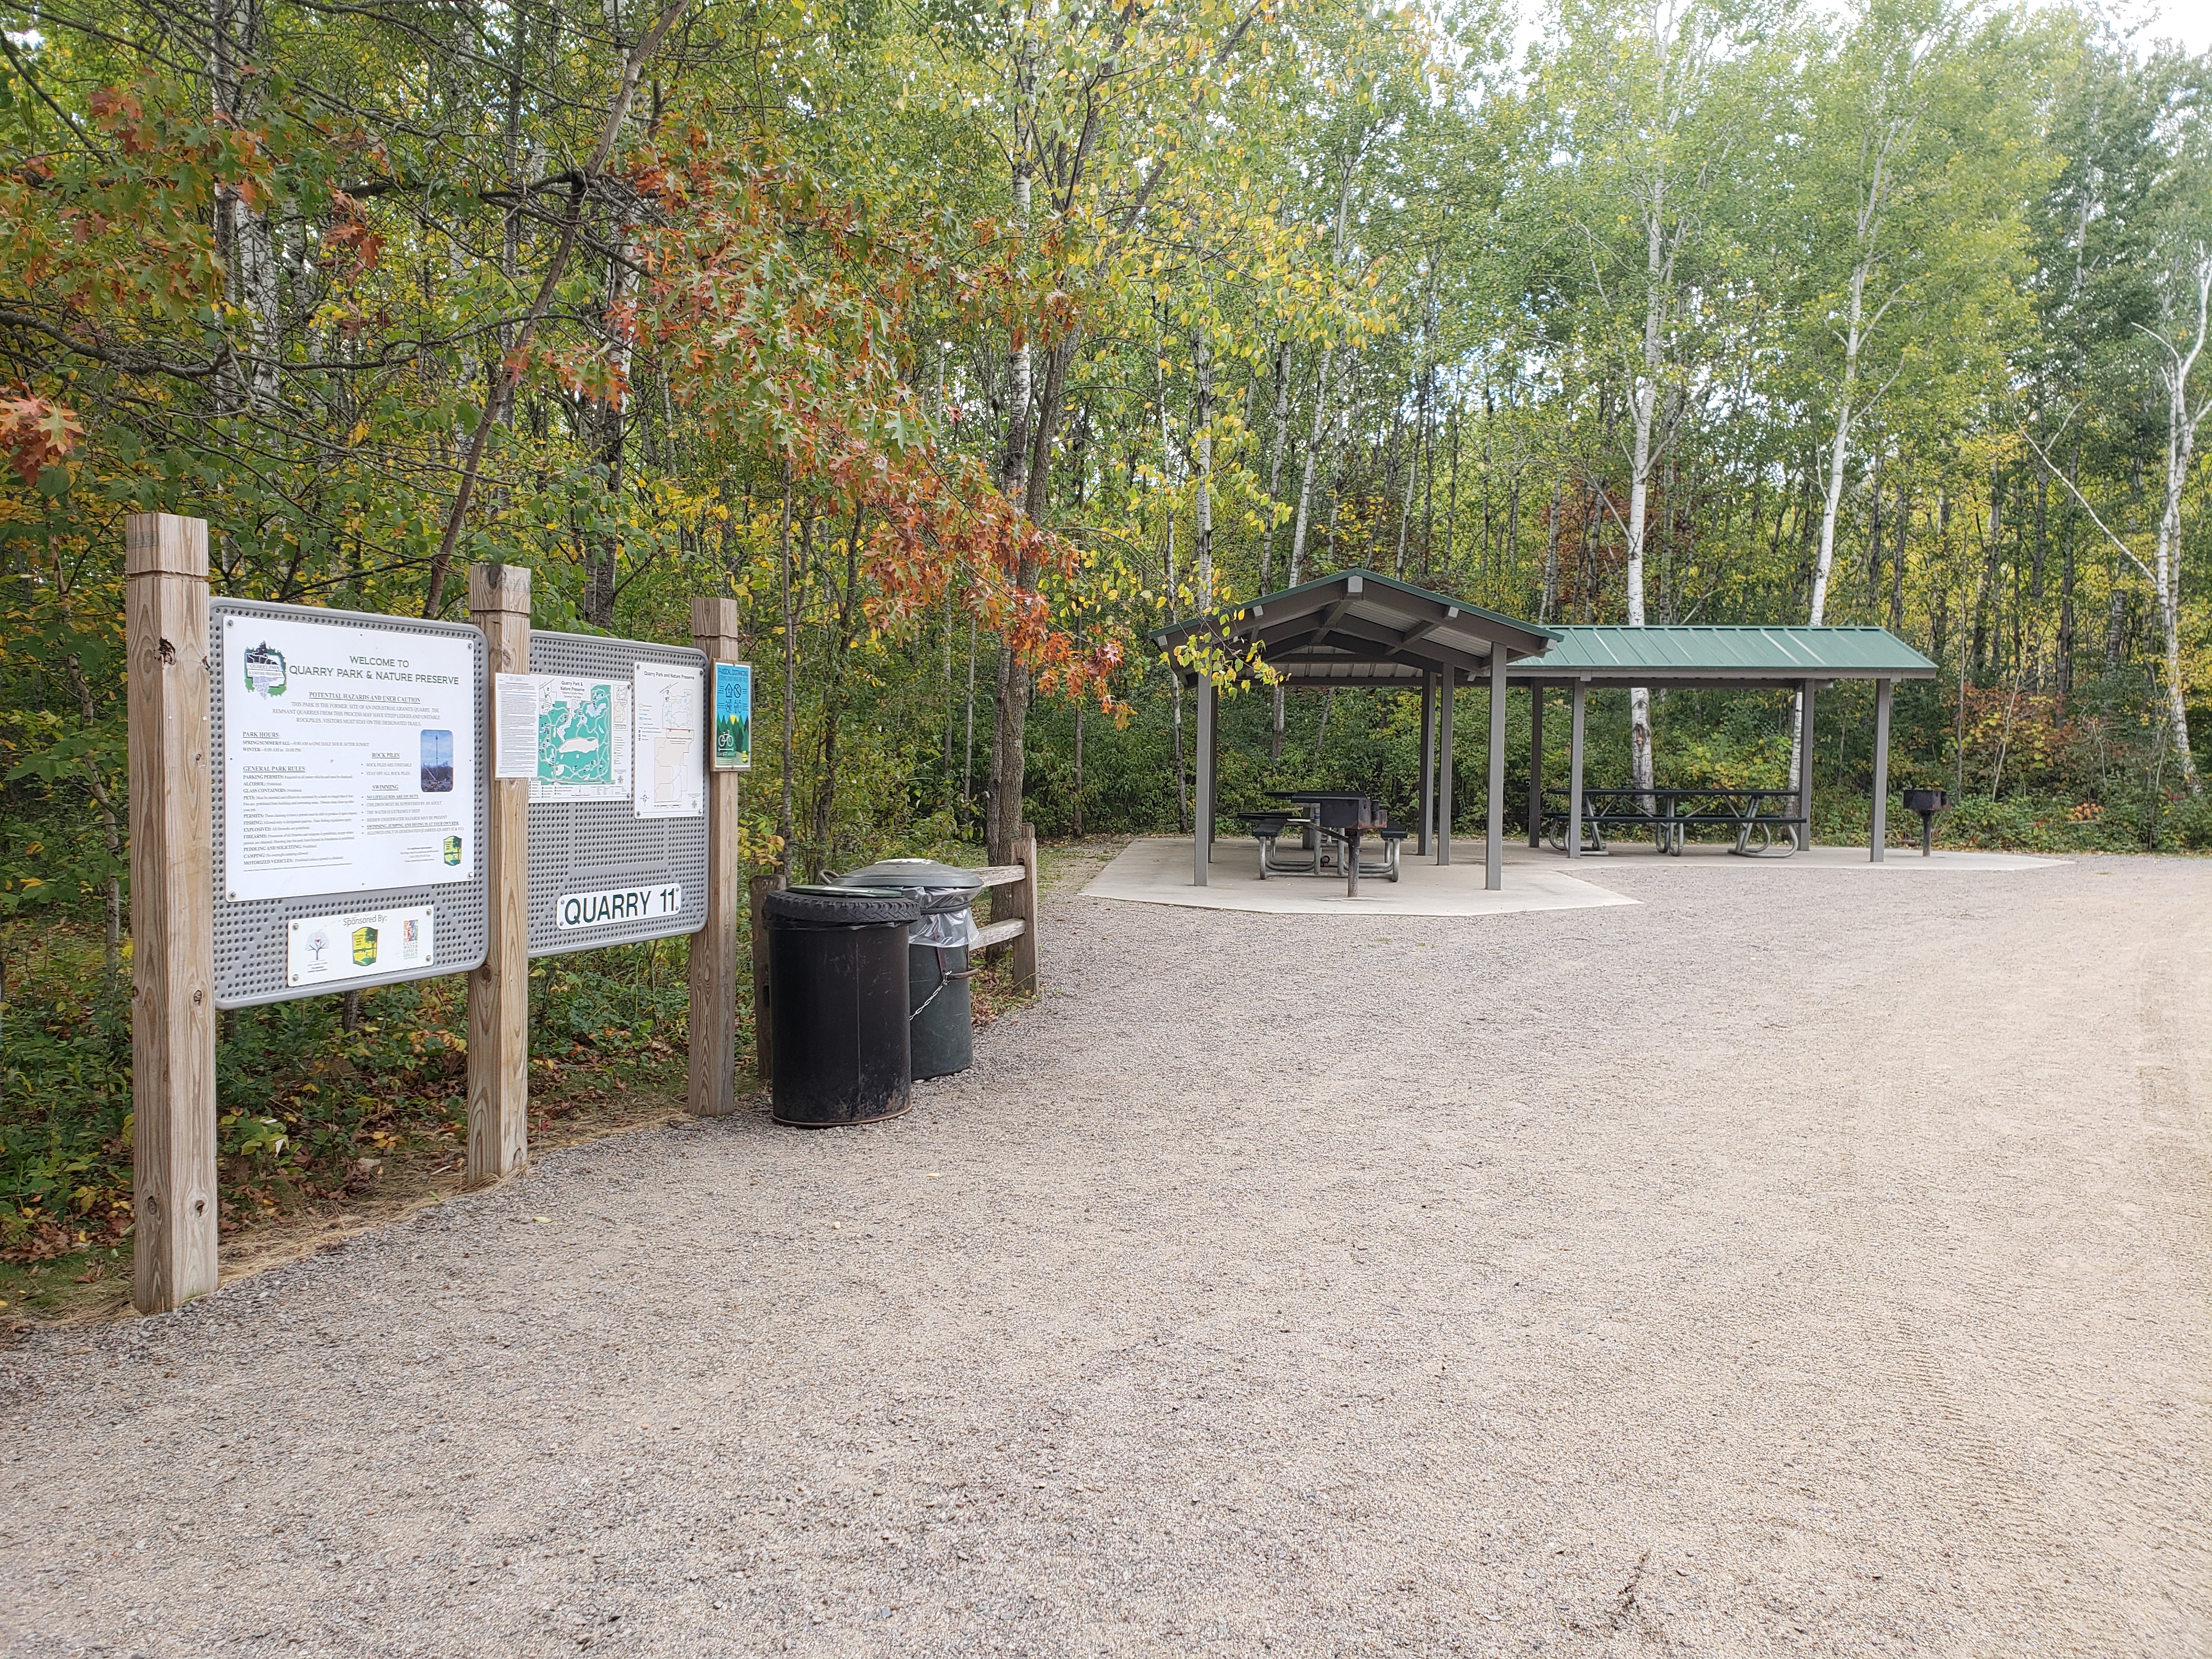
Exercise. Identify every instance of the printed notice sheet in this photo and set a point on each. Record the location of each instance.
(349, 757)
(671, 742)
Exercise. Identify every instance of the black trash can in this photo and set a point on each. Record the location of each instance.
(837, 1004)
(942, 1009)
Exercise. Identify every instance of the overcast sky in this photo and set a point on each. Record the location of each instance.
(2189, 21)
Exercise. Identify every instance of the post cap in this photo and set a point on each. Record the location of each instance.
(164, 544)
(499, 587)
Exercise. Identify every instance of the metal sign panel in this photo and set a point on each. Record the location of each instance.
(609, 869)
(349, 832)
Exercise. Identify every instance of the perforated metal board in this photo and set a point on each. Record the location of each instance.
(250, 935)
(594, 846)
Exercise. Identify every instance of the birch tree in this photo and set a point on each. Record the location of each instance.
(1651, 106)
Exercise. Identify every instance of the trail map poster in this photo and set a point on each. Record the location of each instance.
(671, 753)
(350, 758)
(569, 734)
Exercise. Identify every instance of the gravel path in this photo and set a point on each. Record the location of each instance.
(1800, 1262)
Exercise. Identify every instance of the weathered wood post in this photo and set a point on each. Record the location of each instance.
(761, 887)
(499, 991)
(714, 1086)
(1877, 835)
(1025, 906)
(165, 573)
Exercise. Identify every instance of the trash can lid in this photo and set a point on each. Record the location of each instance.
(943, 889)
(841, 907)
(913, 873)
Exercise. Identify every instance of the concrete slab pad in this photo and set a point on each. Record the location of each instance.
(1633, 853)
(1155, 870)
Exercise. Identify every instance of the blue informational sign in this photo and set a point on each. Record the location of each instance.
(733, 717)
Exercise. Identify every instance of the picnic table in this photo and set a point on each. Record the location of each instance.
(1768, 817)
(1335, 823)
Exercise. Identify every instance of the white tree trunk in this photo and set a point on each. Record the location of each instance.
(2181, 424)
(1202, 518)
(1643, 406)
(1275, 459)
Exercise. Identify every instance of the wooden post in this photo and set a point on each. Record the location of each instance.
(1428, 760)
(715, 628)
(1574, 774)
(1025, 903)
(165, 565)
(499, 991)
(1202, 819)
(1878, 836)
(1535, 762)
(1805, 773)
(1493, 845)
(1444, 769)
(764, 1056)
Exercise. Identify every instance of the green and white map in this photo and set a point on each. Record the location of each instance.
(576, 735)
(568, 735)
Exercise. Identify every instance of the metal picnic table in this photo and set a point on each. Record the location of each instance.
(1337, 821)
(1675, 810)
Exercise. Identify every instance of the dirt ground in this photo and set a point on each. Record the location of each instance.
(1798, 1262)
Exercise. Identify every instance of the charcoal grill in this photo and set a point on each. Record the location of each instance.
(1928, 803)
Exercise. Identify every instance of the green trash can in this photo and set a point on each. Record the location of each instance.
(942, 1009)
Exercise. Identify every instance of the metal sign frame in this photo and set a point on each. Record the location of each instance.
(600, 848)
(250, 934)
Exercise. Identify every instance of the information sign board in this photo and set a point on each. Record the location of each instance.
(613, 736)
(351, 799)
(733, 717)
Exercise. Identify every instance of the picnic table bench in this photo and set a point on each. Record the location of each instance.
(1765, 822)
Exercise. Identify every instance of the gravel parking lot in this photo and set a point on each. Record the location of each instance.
(1797, 1262)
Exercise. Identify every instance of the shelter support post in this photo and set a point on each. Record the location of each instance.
(1214, 783)
(499, 991)
(1879, 834)
(173, 1166)
(1493, 843)
(1428, 762)
(1535, 762)
(1805, 771)
(1444, 769)
(715, 625)
(1202, 851)
(1574, 774)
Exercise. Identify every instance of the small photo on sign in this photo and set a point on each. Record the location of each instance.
(437, 763)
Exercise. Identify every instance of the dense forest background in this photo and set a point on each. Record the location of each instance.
(964, 346)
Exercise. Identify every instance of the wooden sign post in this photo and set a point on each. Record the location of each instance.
(172, 911)
(714, 1085)
(499, 992)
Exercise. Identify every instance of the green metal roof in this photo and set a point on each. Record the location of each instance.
(1282, 598)
(1756, 654)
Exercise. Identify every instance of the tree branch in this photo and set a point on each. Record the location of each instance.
(500, 386)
